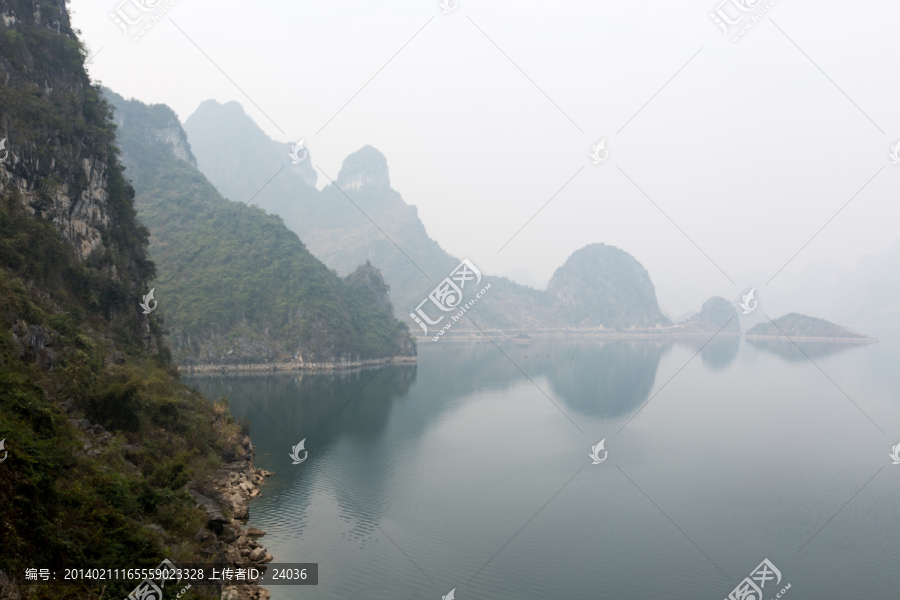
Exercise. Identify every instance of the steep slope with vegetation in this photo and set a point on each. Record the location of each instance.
(102, 440)
(236, 286)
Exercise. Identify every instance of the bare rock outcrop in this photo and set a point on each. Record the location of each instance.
(229, 491)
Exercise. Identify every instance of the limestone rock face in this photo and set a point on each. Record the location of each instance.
(74, 201)
(601, 285)
(59, 160)
(367, 167)
(60, 169)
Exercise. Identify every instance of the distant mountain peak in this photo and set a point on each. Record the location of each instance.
(164, 127)
(367, 167)
(231, 107)
(601, 285)
(229, 145)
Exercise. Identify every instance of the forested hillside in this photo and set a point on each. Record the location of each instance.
(100, 435)
(105, 451)
(235, 285)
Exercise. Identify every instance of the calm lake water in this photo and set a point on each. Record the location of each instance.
(460, 472)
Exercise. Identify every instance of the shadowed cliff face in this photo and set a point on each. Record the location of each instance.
(75, 200)
(62, 164)
(60, 149)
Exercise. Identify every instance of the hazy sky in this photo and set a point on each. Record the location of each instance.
(750, 149)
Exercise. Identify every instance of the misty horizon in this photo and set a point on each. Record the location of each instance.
(747, 177)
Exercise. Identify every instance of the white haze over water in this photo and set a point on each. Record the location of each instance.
(750, 149)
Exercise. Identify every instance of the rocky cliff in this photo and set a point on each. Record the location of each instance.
(102, 440)
(61, 173)
(61, 162)
(603, 286)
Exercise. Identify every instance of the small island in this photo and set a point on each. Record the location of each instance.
(523, 339)
(803, 328)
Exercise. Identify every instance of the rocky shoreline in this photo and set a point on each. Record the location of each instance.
(226, 492)
(224, 496)
(292, 365)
